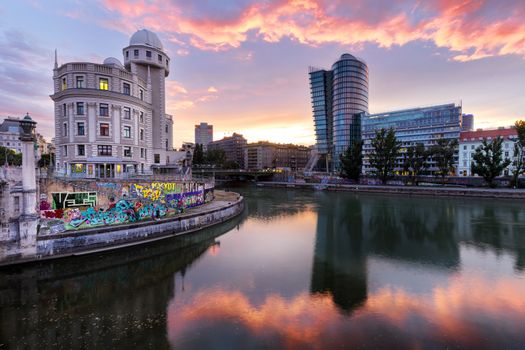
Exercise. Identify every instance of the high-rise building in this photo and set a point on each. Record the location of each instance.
(233, 147)
(467, 122)
(416, 125)
(110, 118)
(203, 134)
(339, 98)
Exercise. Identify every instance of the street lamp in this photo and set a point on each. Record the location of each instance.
(28, 129)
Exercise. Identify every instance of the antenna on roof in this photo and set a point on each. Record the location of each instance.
(56, 59)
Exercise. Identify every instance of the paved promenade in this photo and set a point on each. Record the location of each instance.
(503, 193)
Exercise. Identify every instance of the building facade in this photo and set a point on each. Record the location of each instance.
(266, 155)
(233, 147)
(467, 122)
(203, 135)
(339, 97)
(10, 133)
(470, 140)
(416, 125)
(110, 118)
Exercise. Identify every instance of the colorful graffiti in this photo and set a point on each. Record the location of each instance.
(64, 200)
(76, 210)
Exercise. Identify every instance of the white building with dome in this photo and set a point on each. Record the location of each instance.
(110, 118)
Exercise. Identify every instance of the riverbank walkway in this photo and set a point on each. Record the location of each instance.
(503, 193)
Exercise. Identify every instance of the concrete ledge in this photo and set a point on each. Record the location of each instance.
(106, 238)
(407, 190)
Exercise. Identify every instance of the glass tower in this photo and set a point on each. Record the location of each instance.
(339, 99)
(350, 98)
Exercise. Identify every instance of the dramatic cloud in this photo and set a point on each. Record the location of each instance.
(472, 29)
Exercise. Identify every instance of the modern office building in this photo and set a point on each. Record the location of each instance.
(416, 125)
(110, 118)
(203, 135)
(470, 140)
(339, 98)
(233, 147)
(267, 155)
(467, 122)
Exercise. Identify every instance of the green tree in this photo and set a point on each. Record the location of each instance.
(198, 155)
(352, 161)
(215, 157)
(443, 153)
(45, 160)
(383, 157)
(10, 157)
(416, 161)
(488, 161)
(519, 152)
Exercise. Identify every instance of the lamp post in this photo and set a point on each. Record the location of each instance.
(28, 220)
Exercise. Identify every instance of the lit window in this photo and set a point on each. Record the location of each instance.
(104, 129)
(127, 151)
(126, 89)
(127, 132)
(81, 150)
(64, 83)
(104, 109)
(103, 84)
(81, 129)
(80, 82)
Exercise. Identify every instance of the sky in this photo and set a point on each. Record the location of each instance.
(243, 65)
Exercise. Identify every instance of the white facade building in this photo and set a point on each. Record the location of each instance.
(10, 133)
(110, 118)
(470, 140)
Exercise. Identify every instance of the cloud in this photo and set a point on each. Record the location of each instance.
(212, 89)
(471, 29)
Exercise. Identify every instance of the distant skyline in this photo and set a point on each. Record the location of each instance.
(243, 65)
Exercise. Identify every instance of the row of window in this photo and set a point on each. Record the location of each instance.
(103, 84)
(148, 56)
(103, 130)
(105, 150)
(103, 111)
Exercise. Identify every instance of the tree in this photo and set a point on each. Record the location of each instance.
(198, 154)
(383, 157)
(416, 161)
(215, 157)
(443, 153)
(488, 161)
(10, 157)
(352, 161)
(45, 160)
(519, 152)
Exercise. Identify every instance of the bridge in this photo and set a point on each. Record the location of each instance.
(234, 174)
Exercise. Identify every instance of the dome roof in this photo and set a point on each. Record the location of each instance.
(347, 56)
(112, 61)
(145, 37)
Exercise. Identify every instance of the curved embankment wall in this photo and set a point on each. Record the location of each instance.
(112, 237)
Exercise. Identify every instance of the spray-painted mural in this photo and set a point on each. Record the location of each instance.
(75, 210)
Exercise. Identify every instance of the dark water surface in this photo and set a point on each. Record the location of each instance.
(297, 270)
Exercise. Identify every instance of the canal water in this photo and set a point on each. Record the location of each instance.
(298, 269)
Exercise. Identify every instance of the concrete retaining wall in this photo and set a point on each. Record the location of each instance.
(108, 238)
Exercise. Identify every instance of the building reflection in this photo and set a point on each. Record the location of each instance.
(112, 300)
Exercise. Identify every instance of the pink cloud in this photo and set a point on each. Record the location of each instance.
(462, 26)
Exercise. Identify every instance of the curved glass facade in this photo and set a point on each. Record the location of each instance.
(350, 99)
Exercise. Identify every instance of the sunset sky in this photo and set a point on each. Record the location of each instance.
(243, 65)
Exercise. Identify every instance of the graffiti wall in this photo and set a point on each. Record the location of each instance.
(122, 203)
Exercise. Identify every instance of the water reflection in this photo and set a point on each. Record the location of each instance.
(300, 270)
(118, 299)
